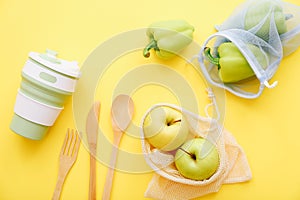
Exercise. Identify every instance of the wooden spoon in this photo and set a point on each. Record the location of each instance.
(121, 115)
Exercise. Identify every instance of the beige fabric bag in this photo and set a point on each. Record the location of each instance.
(168, 184)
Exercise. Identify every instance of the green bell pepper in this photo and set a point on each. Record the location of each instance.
(259, 10)
(167, 38)
(232, 65)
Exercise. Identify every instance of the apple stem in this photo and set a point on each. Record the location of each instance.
(178, 120)
(192, 155)
(173, 122)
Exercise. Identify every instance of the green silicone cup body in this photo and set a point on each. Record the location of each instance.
(27, 128)
(42, 92)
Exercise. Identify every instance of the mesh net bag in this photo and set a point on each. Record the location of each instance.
(270, 20)
(168, 183)
(264, 31)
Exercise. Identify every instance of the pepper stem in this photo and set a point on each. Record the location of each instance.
(151, 45)
(211, 59)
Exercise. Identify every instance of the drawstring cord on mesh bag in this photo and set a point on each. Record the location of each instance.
(212, 97)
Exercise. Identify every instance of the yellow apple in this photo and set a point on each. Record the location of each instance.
(165, 128)
(192, 164)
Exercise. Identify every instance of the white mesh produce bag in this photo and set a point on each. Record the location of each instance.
(272, 26)
(271, 20)
(168, 184)
(263, 70)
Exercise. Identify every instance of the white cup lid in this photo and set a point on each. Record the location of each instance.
(50, 60)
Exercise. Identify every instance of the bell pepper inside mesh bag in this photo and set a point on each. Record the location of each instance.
(246, 51)
(239, 62)
(270, 20)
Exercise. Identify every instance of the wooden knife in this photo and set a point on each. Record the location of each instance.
(92, 136)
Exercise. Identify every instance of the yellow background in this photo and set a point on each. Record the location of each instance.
(267, 128)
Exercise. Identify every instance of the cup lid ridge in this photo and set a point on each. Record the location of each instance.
(50, 60)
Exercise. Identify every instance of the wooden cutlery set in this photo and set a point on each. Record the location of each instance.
(121, 114)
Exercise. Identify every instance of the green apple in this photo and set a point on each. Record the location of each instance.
(165, 128)
(193, 162)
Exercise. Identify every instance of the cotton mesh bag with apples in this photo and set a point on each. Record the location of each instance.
(191, 155)
(246, 51)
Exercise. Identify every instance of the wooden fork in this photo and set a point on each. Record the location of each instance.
(67, 158)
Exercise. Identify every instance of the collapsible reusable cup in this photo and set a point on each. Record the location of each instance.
(47, 82)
